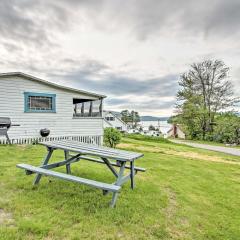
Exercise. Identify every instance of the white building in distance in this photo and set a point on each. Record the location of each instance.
(113, 120)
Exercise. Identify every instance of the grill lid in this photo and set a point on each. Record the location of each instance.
(5, 121)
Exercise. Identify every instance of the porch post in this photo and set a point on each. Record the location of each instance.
(90, 109)
(101, 107)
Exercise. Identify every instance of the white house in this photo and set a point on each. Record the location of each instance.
(176, 132)
(113, 120)
(36, 104)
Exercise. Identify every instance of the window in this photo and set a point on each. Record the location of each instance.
(87, 108)
(110, 118)
(96, 108)
(39, 102)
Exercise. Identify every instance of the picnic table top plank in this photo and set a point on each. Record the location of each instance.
(89, 182)
(97, 148)
(90, 149)
(101, 147)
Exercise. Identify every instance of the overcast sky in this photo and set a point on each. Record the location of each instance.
(133, 51)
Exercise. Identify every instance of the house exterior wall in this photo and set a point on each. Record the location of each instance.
(118, 124)
(107, 124)
(179, 133)
(60, 123)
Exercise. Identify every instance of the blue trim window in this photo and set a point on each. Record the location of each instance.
(39, 102)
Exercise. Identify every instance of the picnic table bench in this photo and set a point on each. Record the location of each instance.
(75, 151)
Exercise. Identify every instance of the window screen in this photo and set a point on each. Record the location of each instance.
(39, 103)
(96, 108)
(87, 108)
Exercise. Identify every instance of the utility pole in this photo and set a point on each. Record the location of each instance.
(133, 118)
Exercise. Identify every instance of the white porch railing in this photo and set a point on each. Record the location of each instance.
(95, 139)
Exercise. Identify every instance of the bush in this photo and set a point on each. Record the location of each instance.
(112, 137)
(227, 128)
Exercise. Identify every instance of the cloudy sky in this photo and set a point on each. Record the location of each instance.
(133, 51)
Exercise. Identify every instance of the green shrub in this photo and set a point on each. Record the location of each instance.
(227, 129)
(112, 137)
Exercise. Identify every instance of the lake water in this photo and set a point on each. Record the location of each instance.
(164, 126)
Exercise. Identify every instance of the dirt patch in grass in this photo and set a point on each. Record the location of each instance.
(190, 155)
(141, 148)
(22, 145)
(198, 156)
(126, 145)
(171, 216)
(172, 203)
(6, 218)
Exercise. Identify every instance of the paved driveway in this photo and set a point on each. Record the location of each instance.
(228, 150)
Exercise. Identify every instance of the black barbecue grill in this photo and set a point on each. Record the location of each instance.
(5, 124)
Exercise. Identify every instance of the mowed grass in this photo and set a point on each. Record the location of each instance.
(213, 143)
(186, 193)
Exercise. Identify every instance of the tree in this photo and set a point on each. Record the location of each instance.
(126, 117)
(130, 117)
(112, 137)
(190, 118)
(135, 118)
(151, 128)
(174, 119)
(227, 128)
(205, 91)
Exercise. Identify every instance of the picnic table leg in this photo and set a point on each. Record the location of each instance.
(68, 166)
(118, 183)
(45, 161)
(132, 174)
(110, 167)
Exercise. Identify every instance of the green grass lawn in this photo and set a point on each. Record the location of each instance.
(212, 143)
(186, 193)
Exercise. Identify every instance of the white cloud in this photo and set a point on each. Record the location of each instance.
(132, 51)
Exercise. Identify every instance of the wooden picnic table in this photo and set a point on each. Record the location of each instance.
(75, 151)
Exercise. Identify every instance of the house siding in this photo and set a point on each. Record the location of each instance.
(116, 123)
(179, 133)
(60, 123)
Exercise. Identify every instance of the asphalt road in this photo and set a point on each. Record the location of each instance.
(228, 150)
